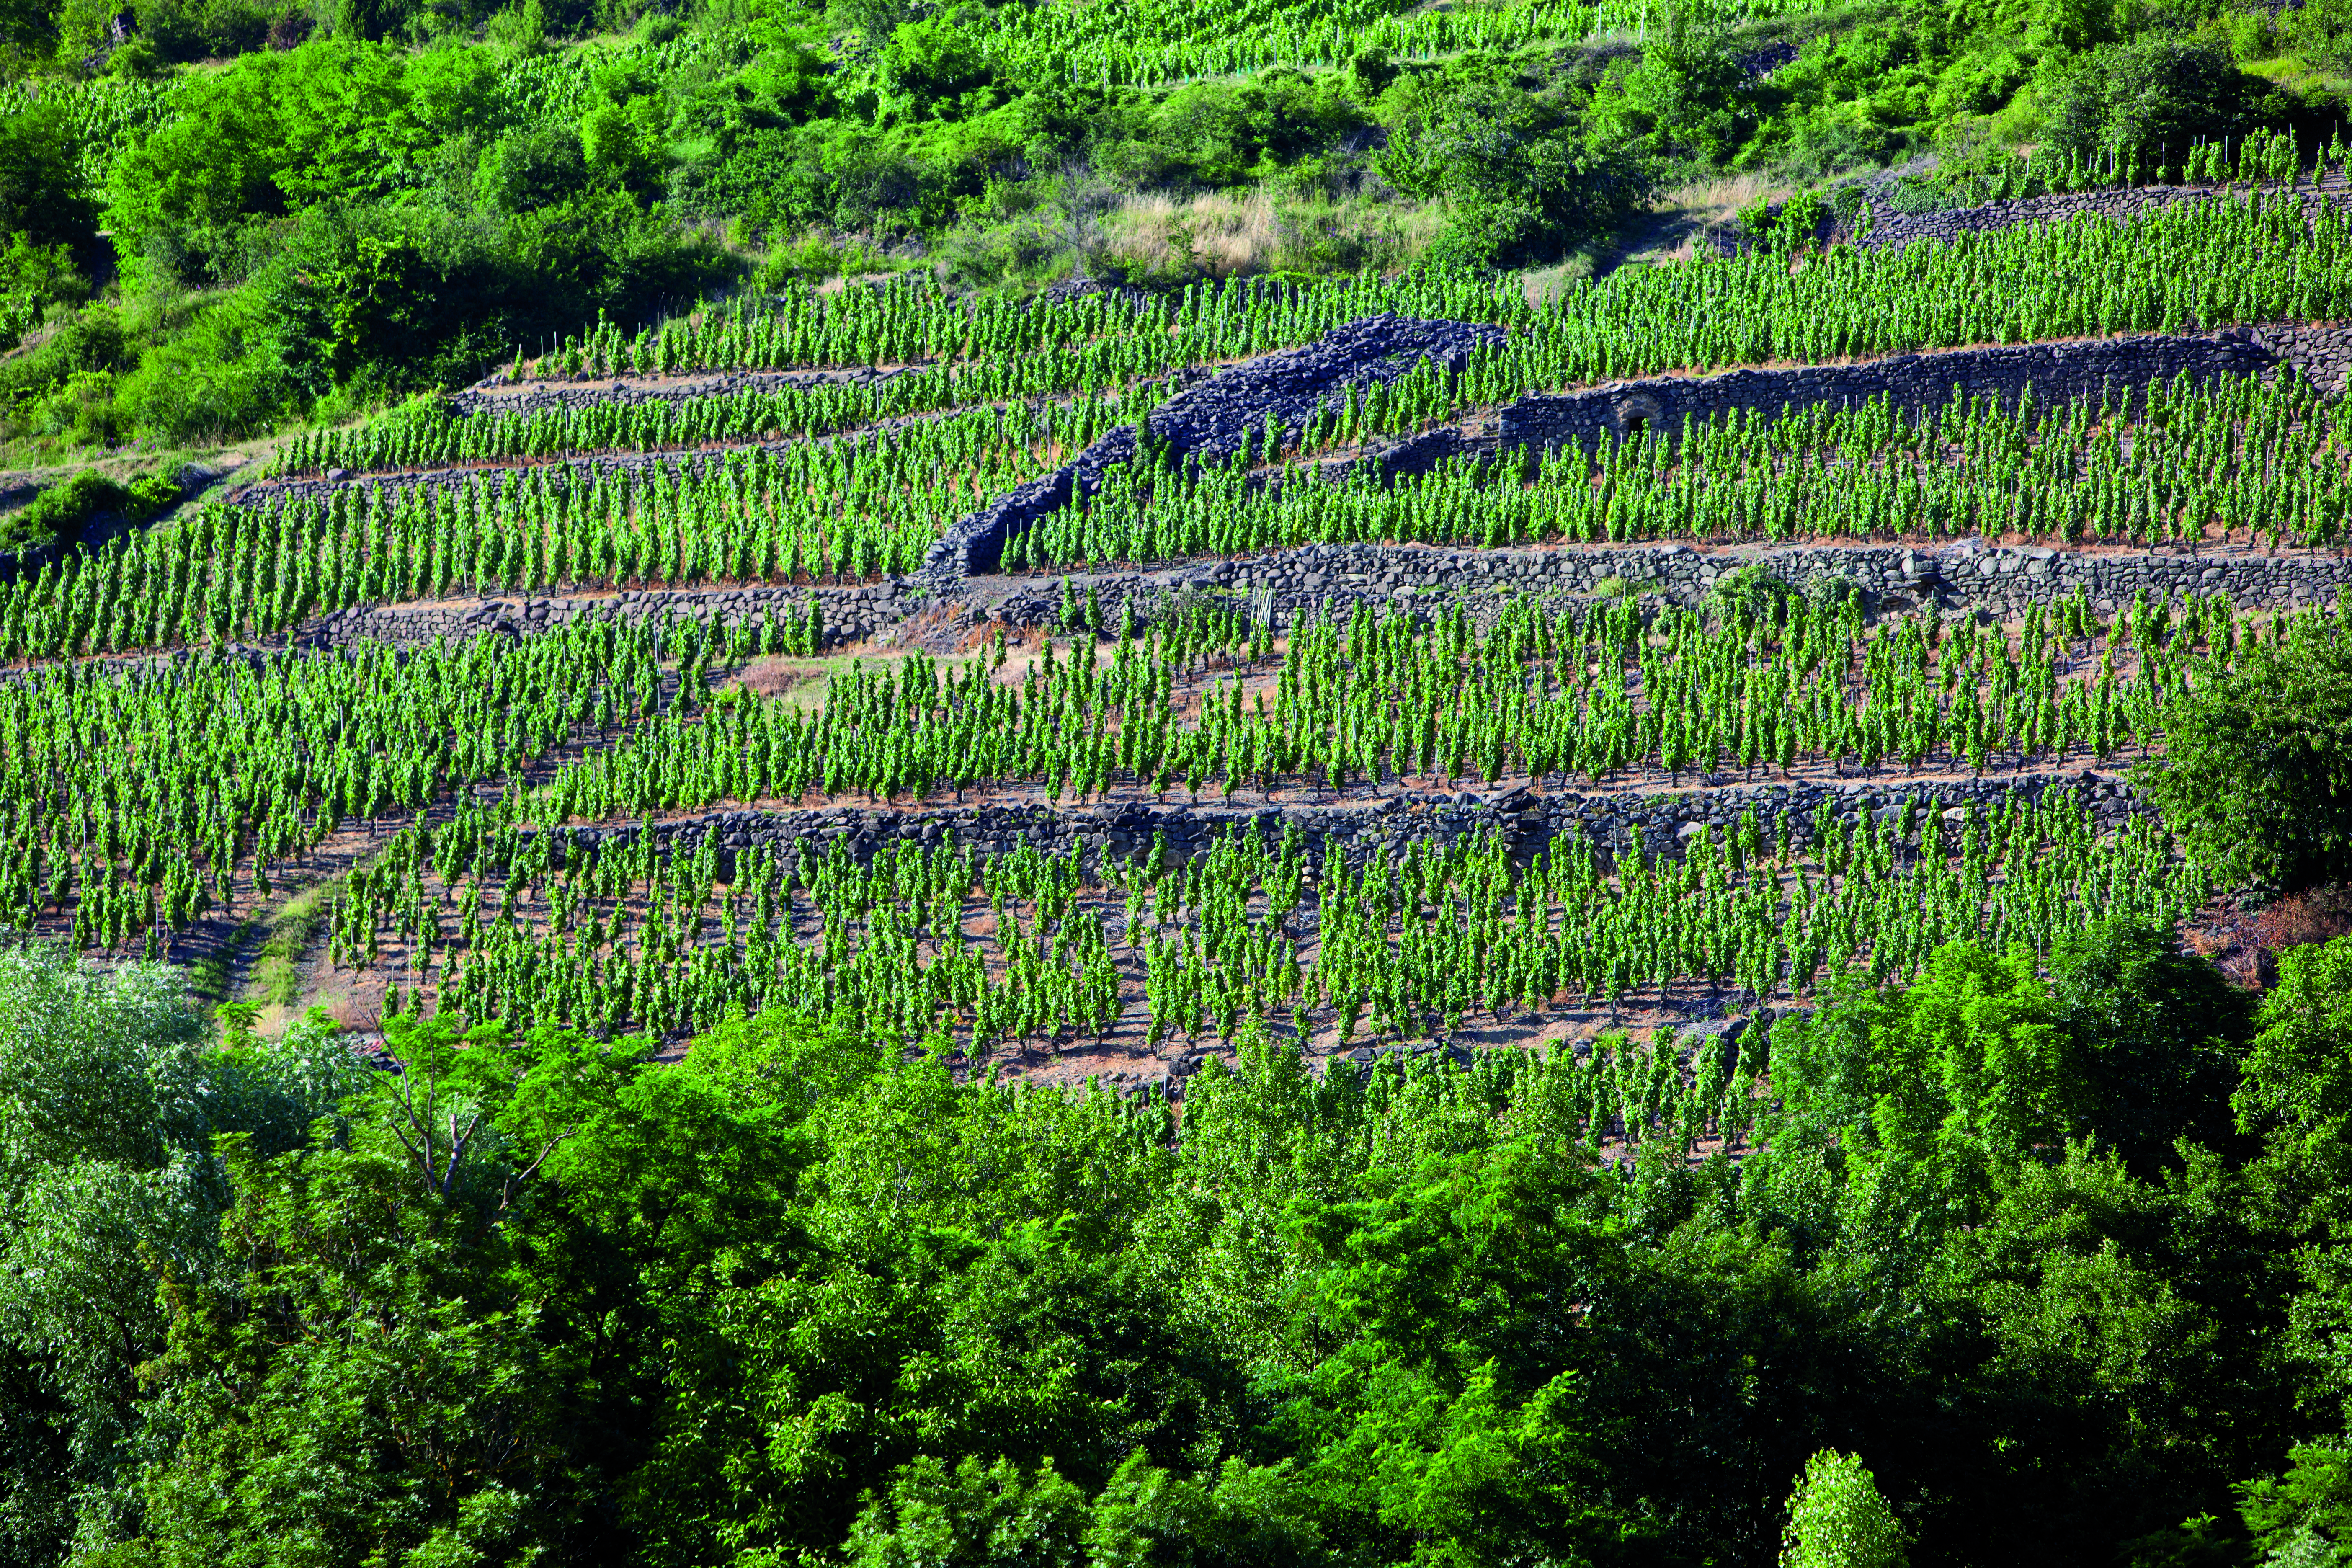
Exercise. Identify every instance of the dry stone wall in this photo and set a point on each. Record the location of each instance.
(2120, 368)
(1290, 587)
(1210, 420)
(847, 614)
(1528, 820)
(1330, 579)
(482, 400)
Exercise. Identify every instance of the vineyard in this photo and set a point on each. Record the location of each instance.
(1391, 783)
(874, 557)
(878, 563)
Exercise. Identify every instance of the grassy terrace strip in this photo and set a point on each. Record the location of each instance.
(618, 938)
(2233, 459)
(139, 797)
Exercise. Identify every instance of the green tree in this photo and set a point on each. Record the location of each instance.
(108, 1105)
(41, 193)
(366, 1384)
(1451, 1411)
(1926, 1088)
(624, 142)
(2256, 775)
(2153, 96)
(1686, 97)
(2157, 1035)
(2304, 1517)
(367, 1374)
(2322, 31)
(974, 1516)
(1523, 182)
(1837, 1520)
(2298, 1077)
(1242, 1516)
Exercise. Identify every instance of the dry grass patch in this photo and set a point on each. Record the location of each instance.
(1689, 220)
(803, 683)
(1227, 234)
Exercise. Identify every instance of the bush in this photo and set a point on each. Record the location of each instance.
(2153, 97)
(1830, 591)
(1525, 183)
(1752, 594)
(1837, 1520)
(223, 376)
(60, 513)
(2256, 775)
(32, 278)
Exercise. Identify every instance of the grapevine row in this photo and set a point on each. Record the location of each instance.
(2235, 457)
(141, 796)
(809, 511)
(1413, 944)
(1595, 693)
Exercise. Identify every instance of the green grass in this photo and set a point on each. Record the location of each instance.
(276, 981)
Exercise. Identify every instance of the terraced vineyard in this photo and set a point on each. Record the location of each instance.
(1395, 662)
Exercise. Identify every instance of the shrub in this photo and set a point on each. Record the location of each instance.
(2151, 96)
(1748, 593)
(1837, 1520)
(1833, 591)
(2256, 775)
(62, 511)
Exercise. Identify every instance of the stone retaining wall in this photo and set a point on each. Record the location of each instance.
(477, 401)
(1902, 229)
(1327, 580)
(848, 615)
(1529, 821)
(2121, 368)
(1330, 579)
(1210, 420)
